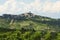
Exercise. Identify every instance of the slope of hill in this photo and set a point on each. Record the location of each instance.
(27, 24)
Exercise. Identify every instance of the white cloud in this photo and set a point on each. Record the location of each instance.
(11, 6)
(52, 7)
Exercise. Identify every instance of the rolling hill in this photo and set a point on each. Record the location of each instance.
(28, 26)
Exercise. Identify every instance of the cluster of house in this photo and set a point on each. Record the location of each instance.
(21, 16)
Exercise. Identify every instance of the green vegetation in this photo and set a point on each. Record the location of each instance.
(36, 28)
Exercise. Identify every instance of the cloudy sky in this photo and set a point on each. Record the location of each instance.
(50, 8)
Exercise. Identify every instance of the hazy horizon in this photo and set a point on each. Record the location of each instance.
(49, 8)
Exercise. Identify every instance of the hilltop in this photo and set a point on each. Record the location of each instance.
(25, 19)
(28, 26)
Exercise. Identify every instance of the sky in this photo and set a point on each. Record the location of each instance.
(49, 8)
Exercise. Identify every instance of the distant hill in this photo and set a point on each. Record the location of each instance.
(22, 16)
(28, 26)
(25, 19)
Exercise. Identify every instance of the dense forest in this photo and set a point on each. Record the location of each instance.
(28, 26)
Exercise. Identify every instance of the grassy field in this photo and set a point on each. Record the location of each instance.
(30, 29)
